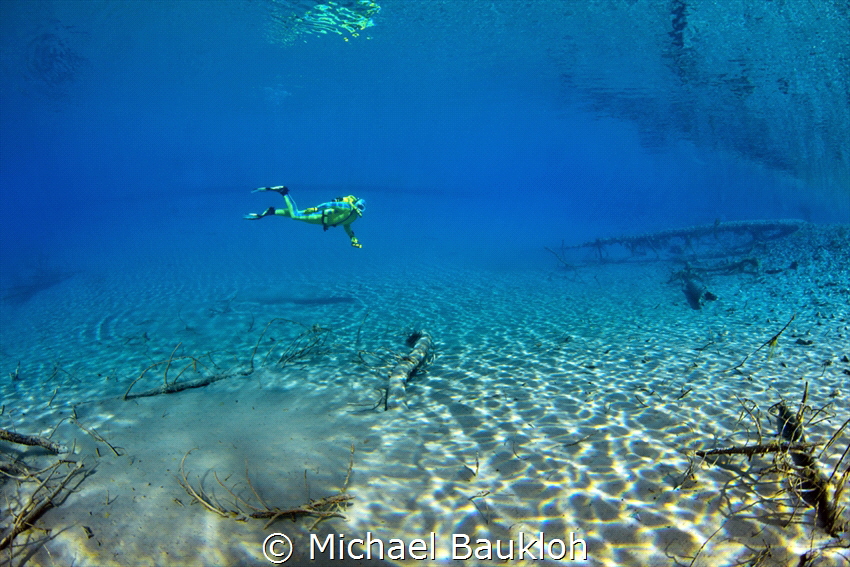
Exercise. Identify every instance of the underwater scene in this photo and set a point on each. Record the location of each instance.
(425, 282)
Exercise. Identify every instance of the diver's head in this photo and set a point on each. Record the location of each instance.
(359, 204)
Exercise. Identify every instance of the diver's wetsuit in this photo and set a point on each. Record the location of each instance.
(341, 211)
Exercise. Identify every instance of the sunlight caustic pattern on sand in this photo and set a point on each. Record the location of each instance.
(562, 402)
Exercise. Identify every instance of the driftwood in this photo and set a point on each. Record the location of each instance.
(30, 440)
(323, 508)
(745, 266)
(695, 290)
(407, 367)
(95, 435)
(811, 485)
(172, 386)
(760, 449)
(309, 342)
(23, 512)
(803, 473)
(761, 230)
(715, 240)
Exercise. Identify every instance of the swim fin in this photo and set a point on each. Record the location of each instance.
(282, 189)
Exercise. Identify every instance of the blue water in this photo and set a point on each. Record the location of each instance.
(477, 130)
(132, 134)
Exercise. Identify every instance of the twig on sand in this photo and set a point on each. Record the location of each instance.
(806, 479)
(561, 256)
(97, 436)
(307, 343)
(715, 532)
(771, 342)
(200, 495)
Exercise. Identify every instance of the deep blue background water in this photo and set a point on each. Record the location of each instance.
(476, 131)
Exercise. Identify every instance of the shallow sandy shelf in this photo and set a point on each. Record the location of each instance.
(562, 402)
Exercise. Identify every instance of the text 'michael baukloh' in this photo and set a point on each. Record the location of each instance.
(536, 547)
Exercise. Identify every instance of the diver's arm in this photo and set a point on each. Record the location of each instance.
(350, 233)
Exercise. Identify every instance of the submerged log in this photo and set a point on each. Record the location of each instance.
(760, 449)
(814, 487)
(721, 239)
(407, 367)
(31, 440)
(763, 229)
(693, 287)
(694, 291)
(804, 475)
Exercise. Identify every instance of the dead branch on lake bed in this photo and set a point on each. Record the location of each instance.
(24, 507)
(172, 386)
(43, 498)
(793, 459)
(561, 256)
(308, 342)
(31, 440)
(715, 240)
(761, 229)
(807, 481)
(760, 449)
(14, 469)
(241, 509)
(420, 341)
(379, 362)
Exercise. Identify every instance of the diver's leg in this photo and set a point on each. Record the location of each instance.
(312, 215)
(282, 189)
(292, 209)
(255, 216)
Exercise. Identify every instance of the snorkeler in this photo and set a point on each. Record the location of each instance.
(341, 211)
